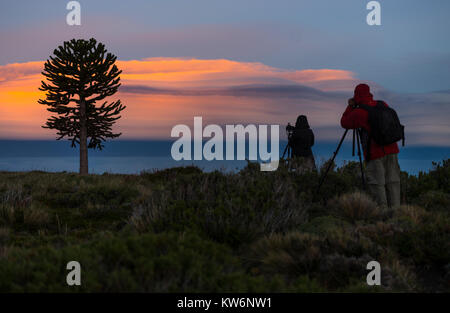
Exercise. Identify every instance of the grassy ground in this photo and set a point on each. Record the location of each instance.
(187, 231)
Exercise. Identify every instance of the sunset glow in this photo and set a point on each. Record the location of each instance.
(162, 92)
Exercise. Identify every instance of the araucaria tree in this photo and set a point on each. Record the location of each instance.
(79, 75)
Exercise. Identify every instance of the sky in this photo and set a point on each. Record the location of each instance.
(246, 61)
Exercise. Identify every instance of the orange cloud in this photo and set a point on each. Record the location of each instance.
(152, 115)
(162, 92)
(220, 72)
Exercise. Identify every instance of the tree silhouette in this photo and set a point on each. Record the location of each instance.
(80, 74)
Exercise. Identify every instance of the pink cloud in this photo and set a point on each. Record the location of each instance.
(162, 92)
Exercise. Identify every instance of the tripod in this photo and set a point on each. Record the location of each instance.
(357, 135)
(288, 149)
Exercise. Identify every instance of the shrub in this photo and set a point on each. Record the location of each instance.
(436, 180)
(381, 233)
(247, 231)
(227, 208)
(354, 207)
(110, 195)
(435, 200)
(396, 276)
(36, 217)
(292, 254)
(338, 270)
(13, 200)
(17, 208)
(5, 234)
(427, 243)
(15, 196)
(334, 262)
(410, 214)
(170, 173)
(7, 215)
(324, 225)
(166, 262)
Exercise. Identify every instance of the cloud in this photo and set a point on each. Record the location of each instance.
(162, 92)
(17, 71)
(253, 91)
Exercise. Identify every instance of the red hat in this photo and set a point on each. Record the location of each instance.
(362, 94)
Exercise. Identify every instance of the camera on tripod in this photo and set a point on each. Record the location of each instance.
(289, 130)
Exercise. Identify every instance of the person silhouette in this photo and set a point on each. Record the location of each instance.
(301, 141)
(382, 168)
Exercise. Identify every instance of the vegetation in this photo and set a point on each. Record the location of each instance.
(182, 230)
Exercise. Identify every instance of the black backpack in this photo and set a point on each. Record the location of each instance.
(385, 127)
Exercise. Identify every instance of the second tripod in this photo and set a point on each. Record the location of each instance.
(357, 136)
(288, 149)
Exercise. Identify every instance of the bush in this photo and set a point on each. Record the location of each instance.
(436, 180)
(354, 207)
(324, 225)
(410, 214)
(333, 260)
(396, 276)
(166, 262)
(16, 208)
(435, 200)
(5, 234)
(226, 208)
(427, 243)
(184, 230)
(292, 254)
(109, 195)
(380, 233)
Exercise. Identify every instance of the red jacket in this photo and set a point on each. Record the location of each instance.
(358, 118)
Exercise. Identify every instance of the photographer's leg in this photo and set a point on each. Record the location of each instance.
(376, 181)
(392, 180)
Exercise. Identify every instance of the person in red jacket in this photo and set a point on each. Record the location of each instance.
(382, 168)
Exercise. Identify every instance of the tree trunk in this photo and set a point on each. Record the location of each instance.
(84, 168)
